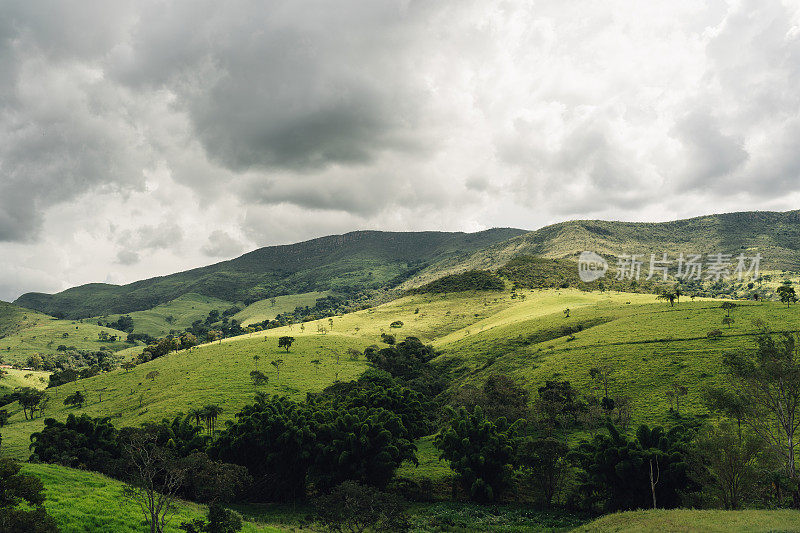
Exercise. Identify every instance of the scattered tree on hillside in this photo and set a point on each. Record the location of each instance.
(22, 501)
(210, 413)
(256, 359)
(566, 313)
(128, 365)
(277, 363)
(787, 295)
(76, 398)
(603, 376)
(285, 342)
(152, 375)
(259, 378)
(728, 307)
(668, 296)
(29, 399)
(727, 321)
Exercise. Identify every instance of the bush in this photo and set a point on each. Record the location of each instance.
(396, 324)
(355, 507)
(472, 280)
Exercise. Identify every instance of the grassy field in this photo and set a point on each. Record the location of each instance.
(684, 520)
(267, 309)
(14, 378)
(175, 315)
(92, 503)
(44, 334)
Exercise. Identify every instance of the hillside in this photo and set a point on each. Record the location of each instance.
(695, 520)
(340, 263)
(24, 333)
(776, 236)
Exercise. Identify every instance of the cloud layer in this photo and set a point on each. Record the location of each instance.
(140, 138)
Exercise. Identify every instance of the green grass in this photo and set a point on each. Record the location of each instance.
(267, 310)
(14, 378)
(43, 335)
(93, 503)
(177, 315)
(684, 520)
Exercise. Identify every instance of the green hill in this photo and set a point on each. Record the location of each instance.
(269, 308)
(24, 333)
(776, 236)
(175, 315)
(340, 263)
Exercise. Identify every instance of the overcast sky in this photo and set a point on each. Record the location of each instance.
(143, 138)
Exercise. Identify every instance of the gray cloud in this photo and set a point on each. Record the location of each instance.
(221, 244)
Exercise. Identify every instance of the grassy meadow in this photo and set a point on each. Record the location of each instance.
(175, 315)
(690, 520)
(267, 309)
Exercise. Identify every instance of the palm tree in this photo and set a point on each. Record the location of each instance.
(196, 414)
(211, 412)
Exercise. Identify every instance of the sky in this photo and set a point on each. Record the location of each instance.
(143, 138)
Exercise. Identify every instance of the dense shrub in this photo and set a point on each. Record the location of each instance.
(471, 280)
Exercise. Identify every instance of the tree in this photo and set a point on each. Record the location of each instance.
(76, 398)
(285, 342)
(219, 520)
(727, 321)
(678, 390)
(480, 451)
(566, 313)
(354, 507)
(544, 462)
(602, 375)
(259, 378)
(768, 380)
(787, 295)
(156, 477)
(29, 399)
(128, 366)
(256, 359)
(152, 375)
(668, 296)
(277, 363)
(211, 412)
(22, 502)
(4, 417)
(728, 307)
(79, 442)
(727, 463)
(499, 397)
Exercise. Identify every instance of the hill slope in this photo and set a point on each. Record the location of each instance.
(776, 236)
(342, 263)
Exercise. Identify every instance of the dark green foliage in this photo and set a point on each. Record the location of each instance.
(543, 463)
(29, 400)
(21, 502)
(355, 507)
(271, 438)
(405, 360)
(415, 410)
(472, 280)
(361, 444)
(480, 451)
(80, 442)
(499, 397)
(214, 481)
(219, 520)
(558, 405)
(616, 470)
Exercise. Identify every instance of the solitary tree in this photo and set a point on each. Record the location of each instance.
(128, 365)
(77, 399)
(285, 342)
(152, 375)
(259, 378)
(728, 306)
(787, 295)
(155, 475)
(602, 375)
(668, 296)
(727, 321)
(679, 390)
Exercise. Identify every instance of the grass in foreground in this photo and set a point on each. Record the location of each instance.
(684, 520)
(89, 502)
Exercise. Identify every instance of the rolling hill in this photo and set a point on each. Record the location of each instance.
(776, 236)
(340, 263)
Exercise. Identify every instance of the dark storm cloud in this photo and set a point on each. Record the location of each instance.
(291, 85)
